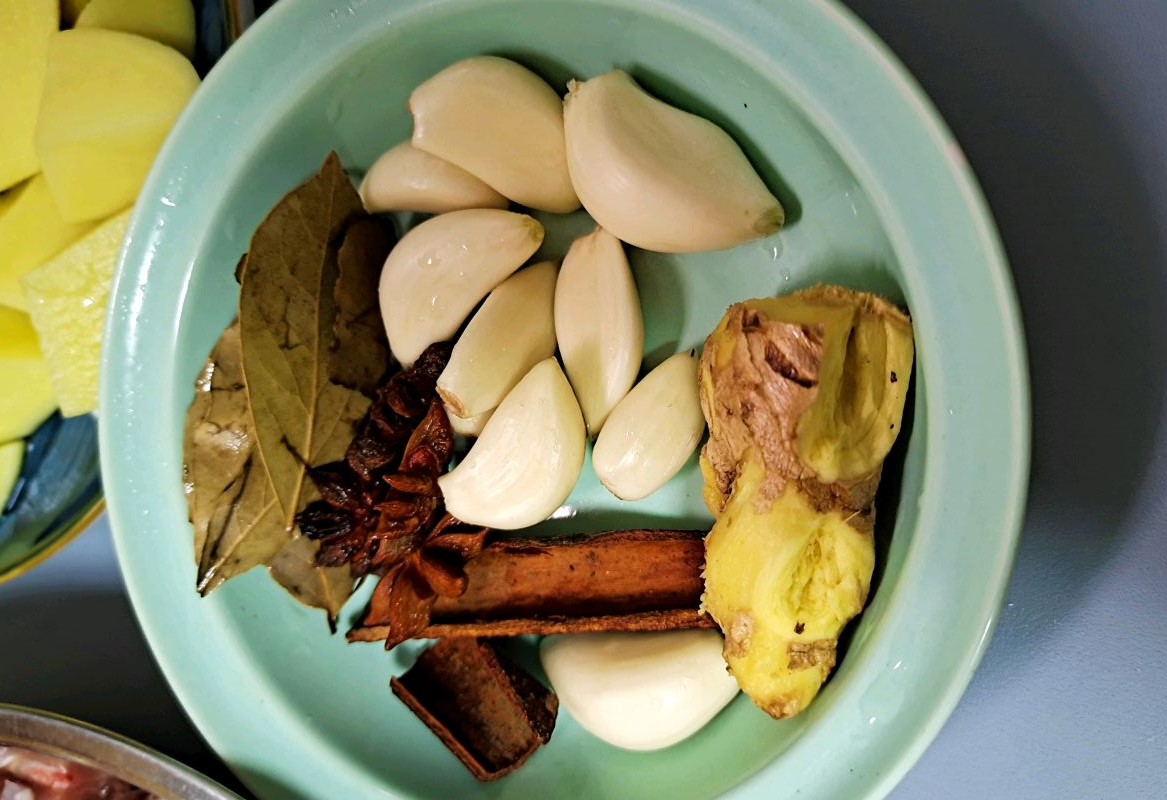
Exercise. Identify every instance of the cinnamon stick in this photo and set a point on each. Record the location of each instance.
(623, 580)
(490, 712)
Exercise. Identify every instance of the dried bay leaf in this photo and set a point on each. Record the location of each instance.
(360, 350)
(294, 568)
(235, 512)
(282, 389)
(287, 312)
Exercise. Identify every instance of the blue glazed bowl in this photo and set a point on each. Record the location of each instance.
(56, 496)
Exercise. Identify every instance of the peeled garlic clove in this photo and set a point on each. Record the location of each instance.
(500, 122)
(441, 269)
(407, 179)
(639, 691)
(658, 177)
(652, 432)
(528, 458)
(598, 324)
(512, 332)
(468, 426)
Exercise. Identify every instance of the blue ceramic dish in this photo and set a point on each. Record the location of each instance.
(56, 496)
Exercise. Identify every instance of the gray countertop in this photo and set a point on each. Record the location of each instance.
(1061, 106)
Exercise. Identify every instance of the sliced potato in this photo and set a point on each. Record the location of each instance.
(67, 300)
(109, 101)
(25, 28)
(170, 22)
(26, 394)
(31, 232)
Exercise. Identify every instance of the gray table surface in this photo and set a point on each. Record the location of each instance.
(1061, 106)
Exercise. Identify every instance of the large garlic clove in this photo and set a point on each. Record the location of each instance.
(652, 432)
(500, 122)
(528, 458)
(471, 426)
(407, 179)
(658, 177)
(598, 324)
(639, 691)
(441, 269)
(512, 332)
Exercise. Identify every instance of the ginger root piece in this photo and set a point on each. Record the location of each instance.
(804, 396)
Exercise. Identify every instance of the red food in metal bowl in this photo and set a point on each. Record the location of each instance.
(28, 775)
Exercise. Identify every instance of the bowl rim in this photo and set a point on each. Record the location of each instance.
(63, 737)
(898, 86)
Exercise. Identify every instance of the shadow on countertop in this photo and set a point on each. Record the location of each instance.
(85, 673)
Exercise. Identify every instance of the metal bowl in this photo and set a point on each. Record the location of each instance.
(115, 755)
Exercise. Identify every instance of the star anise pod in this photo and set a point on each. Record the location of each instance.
(405, 595)
(378, 504)
(390, 518)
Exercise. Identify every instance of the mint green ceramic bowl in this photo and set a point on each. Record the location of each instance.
(880, 198)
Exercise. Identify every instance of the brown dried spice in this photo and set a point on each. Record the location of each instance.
(404, 598)
(378, 505)
(285, 388)
(622, 580)
(486, 709)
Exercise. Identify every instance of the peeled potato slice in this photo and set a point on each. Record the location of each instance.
(25, 29)
(67, 302)
(31, 232)
(169, 22)
(110, 98)
(26, 393)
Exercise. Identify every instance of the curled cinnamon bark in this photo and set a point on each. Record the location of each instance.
(622, 580)
(490, 712)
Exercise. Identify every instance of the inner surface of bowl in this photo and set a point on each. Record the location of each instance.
(333, 698)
